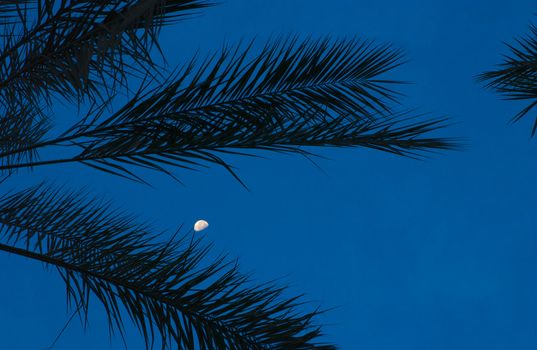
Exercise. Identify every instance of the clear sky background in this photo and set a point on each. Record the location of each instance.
(436, 254)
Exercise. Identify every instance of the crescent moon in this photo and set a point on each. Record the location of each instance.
(200, 225)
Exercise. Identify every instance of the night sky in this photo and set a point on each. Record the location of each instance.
(408, 254)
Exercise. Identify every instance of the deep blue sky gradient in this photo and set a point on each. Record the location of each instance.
(437, 254)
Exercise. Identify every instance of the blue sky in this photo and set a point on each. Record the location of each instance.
(436, 254)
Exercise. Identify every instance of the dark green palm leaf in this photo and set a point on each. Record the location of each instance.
(20, 128)
(293, 94)
(163, 287)
(14, 11)
(516, 77)
(80, 47)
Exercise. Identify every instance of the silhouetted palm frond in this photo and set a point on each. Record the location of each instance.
(163, 287)
(77, 48)
(20, 128)
(292, 94)
(14, 11)
(516, 77)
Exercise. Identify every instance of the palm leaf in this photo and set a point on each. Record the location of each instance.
(14, 11)
(516, 77)
(163, 287)
(81, 48)
(20, 128)
(292, 94)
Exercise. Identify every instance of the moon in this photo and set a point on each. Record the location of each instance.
(200, 225)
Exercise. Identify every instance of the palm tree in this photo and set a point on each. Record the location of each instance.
(287, 95)
(516, 77)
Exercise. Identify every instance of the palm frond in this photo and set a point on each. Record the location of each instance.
(82, 49)
(291, 95)
(516, 77)
(165, 288)
(287, 76)
(15, 11)
(21, 127)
